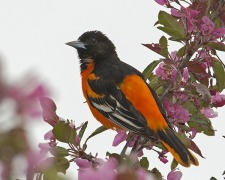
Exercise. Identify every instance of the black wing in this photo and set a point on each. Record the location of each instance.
(117, 108)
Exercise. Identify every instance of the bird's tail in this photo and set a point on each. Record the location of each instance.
(173, 144)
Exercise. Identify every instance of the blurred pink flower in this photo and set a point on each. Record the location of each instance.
(34, 160)
(143, 175)
(105, 170)
(120, 137)
(49, 135)
(45, 147)
(174, 175)
(49, 110)
(209, 113)
(26, 98)
(83, 164)
(218, 100)
(176, 111)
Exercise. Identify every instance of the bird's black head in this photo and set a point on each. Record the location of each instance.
(93, 45)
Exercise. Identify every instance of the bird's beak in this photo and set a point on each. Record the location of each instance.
(77, 44)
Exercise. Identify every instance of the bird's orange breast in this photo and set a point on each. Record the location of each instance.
(85, 75)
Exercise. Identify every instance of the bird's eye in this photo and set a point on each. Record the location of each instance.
(92, 41)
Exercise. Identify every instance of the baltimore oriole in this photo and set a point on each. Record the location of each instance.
(119, 97)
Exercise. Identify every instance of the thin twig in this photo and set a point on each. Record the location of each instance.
(218, 10)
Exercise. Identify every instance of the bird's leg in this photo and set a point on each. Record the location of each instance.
(129, 139)
(146, 143)
(136, 144)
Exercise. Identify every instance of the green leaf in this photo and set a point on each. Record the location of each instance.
(62, 164)
(156, 174)
(59, 164)
(189, 104)
(170, 25)
(148, 70)
(168, 20)
(97, 131)
(184, 127)
(144, 163)
(171, 32)
(82, 130)
(201, 124)
(157, 85)
(118, 157)
(216, 45)
(182, 51)
(164, 45)
(174, 164)
(51, 173)
(64, 132)
(219, 74)
(58, 151)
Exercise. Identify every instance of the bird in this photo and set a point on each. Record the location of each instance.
(120, 98)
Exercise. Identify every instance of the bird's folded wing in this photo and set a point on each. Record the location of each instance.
(114, 105)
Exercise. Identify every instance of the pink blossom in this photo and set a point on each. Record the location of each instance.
(218, 100)
(49, 135)
(83, 164)
(163, 157)
(45, 147)
(174, 56)
(218, 33)
(204, 56)
(207, 26)
(177, 112)
(132, 142)
(166, 72)
(140, 153)
(193, 133)
(190, 15)
(105, 170)
(143, 175)
(181, 96)
(161, 2)
(208, 112)
(185, 74)
(120, 137)
(26, 99)
(49, 110)
(174, 175)
(34, 160)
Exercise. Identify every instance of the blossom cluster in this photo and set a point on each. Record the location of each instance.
(19, 106)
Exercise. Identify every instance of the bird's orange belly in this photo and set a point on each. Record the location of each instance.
(102, 119)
